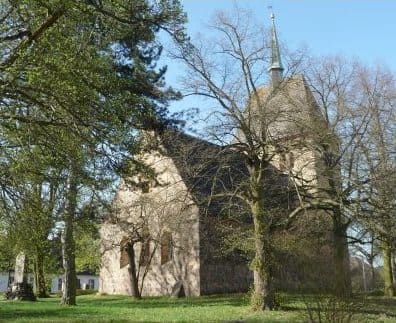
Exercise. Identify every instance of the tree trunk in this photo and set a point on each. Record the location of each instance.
(9, 278)
(341, 257)
(371, 262)
(387, 269)
(68, 246)
(372, 271)
(263, 296)
(41, 286)
(394, 266)
(69, 284)
(132, 270)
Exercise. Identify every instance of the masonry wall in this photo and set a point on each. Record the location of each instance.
(225, 277)
(220, 271)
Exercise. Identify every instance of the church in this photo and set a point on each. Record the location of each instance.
(181, 218)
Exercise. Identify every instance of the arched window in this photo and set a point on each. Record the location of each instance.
(144, 259)
(145, 252)
(124, 253)
(166, 247)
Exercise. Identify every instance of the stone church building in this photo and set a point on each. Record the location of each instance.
(181, 217)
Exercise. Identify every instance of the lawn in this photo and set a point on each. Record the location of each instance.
(230, 308)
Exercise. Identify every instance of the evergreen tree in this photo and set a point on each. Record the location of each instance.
(78, 78)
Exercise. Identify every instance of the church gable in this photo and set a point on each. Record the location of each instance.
(166, 211)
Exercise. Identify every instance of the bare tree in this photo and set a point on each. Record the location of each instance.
(358, 104)
(265, 125)
(378, 149)
(365, 246)
(333, 81)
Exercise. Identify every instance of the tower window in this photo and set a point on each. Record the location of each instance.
(145, 187)
(282, 162)
(290, 160)
(286, 161)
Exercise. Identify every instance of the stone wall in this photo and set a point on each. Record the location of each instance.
(225, 278)
(112, 278)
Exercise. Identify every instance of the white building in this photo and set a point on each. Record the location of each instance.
(85, 280)
(7, 278)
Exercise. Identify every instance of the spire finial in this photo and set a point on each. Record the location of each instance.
(276, 67)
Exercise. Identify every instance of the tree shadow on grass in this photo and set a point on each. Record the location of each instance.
(382, 306)
(105, 306)
(382, 302)
(32, 313)
(158, 302)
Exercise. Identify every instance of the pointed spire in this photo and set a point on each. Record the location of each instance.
(276, 67)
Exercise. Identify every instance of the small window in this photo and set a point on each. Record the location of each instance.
(91, 283)
(145, 253)
(145, 187)
(166, 247)
(124, 253)
(290, 160)
(59, 283)
(78, 284)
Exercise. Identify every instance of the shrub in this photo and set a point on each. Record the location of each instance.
(332, 309)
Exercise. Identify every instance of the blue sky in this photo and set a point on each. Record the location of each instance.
(365, 29)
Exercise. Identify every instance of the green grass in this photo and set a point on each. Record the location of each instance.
(230, 308)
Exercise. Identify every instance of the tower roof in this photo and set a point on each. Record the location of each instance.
(276, 62)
